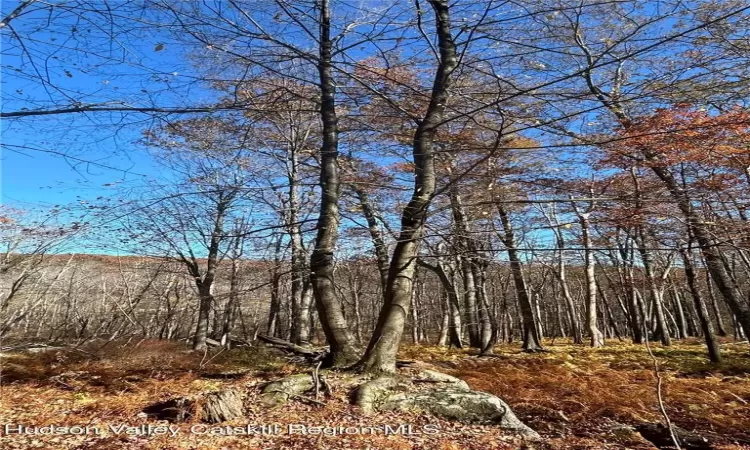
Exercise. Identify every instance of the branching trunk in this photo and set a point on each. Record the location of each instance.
(381, 352)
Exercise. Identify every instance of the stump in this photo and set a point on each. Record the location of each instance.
(221, 406)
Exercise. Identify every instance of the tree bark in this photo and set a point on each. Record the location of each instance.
(381, 352)
(330, 309)
(531, 339)
(597, 339)
(714, 352)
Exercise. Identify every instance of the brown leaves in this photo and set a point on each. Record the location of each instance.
(684, 134)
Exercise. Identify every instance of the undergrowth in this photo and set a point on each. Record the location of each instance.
(574, 396)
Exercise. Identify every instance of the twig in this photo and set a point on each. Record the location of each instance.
(205, 353)
(738, 397)
(203, 364)
(659, 397)
(326, 386)
(308, 399)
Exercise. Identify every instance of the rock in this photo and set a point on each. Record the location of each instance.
(461, 405)
(453, 401)
(432, 376)
(371, 394)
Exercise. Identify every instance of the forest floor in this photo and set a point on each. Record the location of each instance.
(575, 397)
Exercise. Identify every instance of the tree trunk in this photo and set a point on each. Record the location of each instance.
(205, 282)
(230, 309)
(471, 315)
(381, 352)
(597, 339)
(722, 331)
(275, 308)
(330, 309)
(531, 339)
(445, 318)
(204, 312)
(682, 325)
(305, 314)
(575, 323)
(488, 327)
(714, 352)
(711, 253)
(465, 247)
(381, 250)
(662, 331)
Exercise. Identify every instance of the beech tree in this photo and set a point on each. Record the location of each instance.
(380, 355)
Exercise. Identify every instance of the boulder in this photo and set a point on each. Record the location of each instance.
(460, 405)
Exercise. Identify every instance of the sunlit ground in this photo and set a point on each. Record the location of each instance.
(574, 396)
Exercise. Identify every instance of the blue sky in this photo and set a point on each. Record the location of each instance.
(60, 159)
(140, 66)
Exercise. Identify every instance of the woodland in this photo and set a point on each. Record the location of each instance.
(499, 224)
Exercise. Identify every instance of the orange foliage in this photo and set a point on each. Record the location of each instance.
(685, 134)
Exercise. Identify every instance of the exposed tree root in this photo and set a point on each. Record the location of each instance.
(314, 354)
(535, 350)
(280, 391)
(307, 352)
(427, 391)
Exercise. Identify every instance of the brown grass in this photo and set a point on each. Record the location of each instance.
(574, 396)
